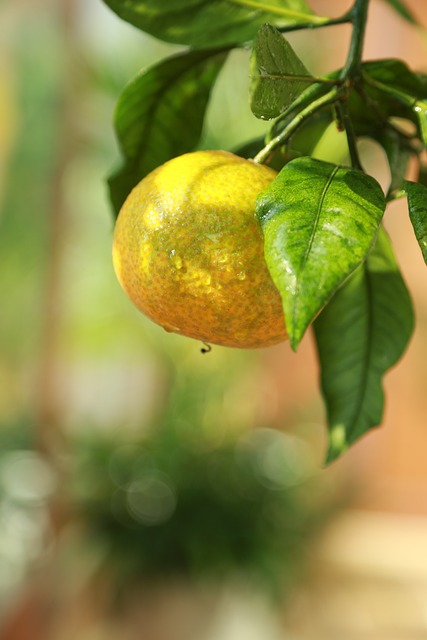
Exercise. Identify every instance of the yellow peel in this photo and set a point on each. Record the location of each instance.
(189, 251)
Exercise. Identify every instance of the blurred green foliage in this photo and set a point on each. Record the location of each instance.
(166, 467)
(23, 224)
(170, 506)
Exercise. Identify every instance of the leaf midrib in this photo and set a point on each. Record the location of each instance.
(311, 240)
(280, 11)
(366, 359)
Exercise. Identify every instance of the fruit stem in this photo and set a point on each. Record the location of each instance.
(328, 98)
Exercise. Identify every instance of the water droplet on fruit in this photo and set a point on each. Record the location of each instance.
(214, 237)
(170, 328)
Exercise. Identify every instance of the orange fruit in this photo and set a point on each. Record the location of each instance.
(189, 251)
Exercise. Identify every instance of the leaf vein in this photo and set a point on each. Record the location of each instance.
(312, 236)
(361, 393)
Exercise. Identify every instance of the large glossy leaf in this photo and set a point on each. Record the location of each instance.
(198, 22)
(160, 115)
(417, 203)
(277, 74)
(360, 334)
(319, 222)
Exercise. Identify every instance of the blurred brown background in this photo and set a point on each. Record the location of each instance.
(82, 375)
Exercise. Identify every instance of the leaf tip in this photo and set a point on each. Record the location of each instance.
(295, 337)
(298, 323)
(337, 443)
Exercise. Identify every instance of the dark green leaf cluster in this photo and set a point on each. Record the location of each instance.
(160, 114)
(324, 243)
(170, 506)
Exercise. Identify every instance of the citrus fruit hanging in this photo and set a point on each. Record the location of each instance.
(189, 252)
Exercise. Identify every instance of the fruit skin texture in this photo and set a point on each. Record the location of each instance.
(189, 251)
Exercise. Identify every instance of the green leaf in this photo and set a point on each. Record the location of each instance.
(360, 334)
(384, 94)
(403, 11)
(197, 22)
(160, 115)
(422, 82)
(396, 74)
(422, 175)
(420, 109)
(319, 222)
(395, 91)
(398, 154)
(305, 140)
(417, 203)
(277, 74)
